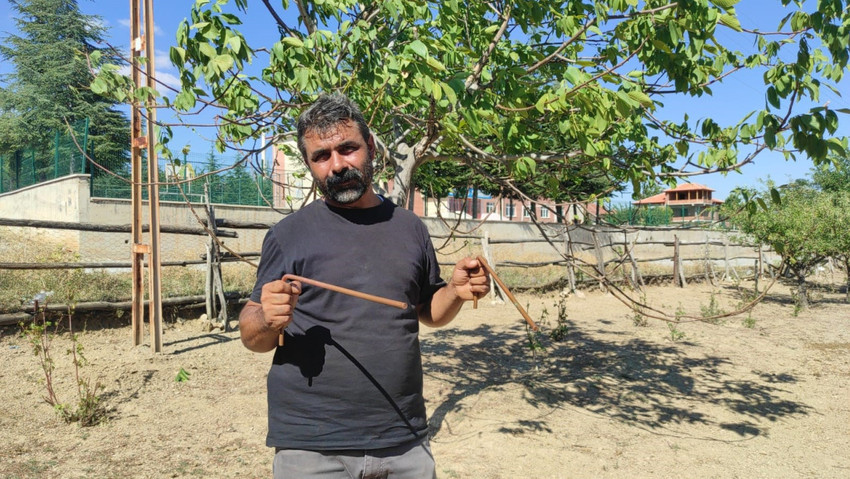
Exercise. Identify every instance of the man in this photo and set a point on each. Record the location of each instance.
(345, 389)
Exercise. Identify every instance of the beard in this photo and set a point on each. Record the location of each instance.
(347, 187)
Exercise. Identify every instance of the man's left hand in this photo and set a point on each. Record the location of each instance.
(470, 279)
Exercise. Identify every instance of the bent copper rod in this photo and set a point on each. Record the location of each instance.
(340, 289)
(483, 263)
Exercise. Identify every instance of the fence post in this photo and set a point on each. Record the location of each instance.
(756, 275)
(678, 274)
(213, 286)
(571, 271)
(600, 261)
(637, 278)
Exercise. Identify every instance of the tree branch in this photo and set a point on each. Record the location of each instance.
(471, 83)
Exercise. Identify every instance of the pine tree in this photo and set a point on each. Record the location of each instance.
(50, 81)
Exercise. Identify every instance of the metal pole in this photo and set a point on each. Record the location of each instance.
(154, 263)
(56, 156)
(85, 147)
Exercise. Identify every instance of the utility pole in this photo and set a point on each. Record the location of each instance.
(139, 42)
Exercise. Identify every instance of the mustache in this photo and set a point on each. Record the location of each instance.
(347, 175)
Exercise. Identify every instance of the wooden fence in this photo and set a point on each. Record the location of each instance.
(587, 254)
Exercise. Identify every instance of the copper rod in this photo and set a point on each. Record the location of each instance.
(510, 296)
(340, 289)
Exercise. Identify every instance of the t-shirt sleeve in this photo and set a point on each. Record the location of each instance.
(432, 281)
(271, 259)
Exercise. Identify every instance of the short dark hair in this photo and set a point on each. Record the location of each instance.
(327, 112)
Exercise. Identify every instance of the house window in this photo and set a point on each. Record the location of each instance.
(526, 212)
(544, 212)
(490, 207)
(455, 205)
(509, 211)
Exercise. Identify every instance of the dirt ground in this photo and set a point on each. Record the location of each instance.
(759, 396)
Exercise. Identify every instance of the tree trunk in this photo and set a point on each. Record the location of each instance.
(802, 296)
(847, 280)
(404, 162)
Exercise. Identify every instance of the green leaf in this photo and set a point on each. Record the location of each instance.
(182, 376)
(730, 21)
(231, 19)
(184, 100)
(491, 29)
(235, 43)
(435, 64)
(725, 4)
(436, 90)
(222, 63)
(177, 55)
(292, 42)
(99, 86)
(208, 51)
(772, 97)
(641, 98)
(419, 48)
(774, 196)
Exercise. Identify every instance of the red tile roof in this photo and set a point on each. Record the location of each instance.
(689, 187)
(658, 199)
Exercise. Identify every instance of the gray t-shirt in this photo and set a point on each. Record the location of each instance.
(350, 373)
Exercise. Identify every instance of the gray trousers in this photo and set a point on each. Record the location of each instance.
(408, 461)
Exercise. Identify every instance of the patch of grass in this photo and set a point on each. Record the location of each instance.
(676, 334)
(638, 319)
(89, 410)
(713, 309)
(560, 330)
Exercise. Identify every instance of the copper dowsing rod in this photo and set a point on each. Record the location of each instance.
(340, 289)
(510, 296)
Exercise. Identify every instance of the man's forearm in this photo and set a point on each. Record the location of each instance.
(255, 333)
(445, 304)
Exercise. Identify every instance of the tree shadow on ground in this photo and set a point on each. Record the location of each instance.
(650, 385)
(819, 294)
(203, 341)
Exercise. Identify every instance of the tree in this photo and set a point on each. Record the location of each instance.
(523, 87)
(50, 82)
(833, 179)
(798, 222)
(833, 176)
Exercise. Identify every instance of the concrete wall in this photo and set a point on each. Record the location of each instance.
(67, 199)
(61, 199)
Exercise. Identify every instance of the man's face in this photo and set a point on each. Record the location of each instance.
(340, 161)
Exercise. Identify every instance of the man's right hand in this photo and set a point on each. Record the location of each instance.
(278, 299)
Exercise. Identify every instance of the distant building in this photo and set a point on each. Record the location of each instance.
(483, 207)
(293, 185)
(688, 202)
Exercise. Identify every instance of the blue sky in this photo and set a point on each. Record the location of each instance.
(736, 96)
